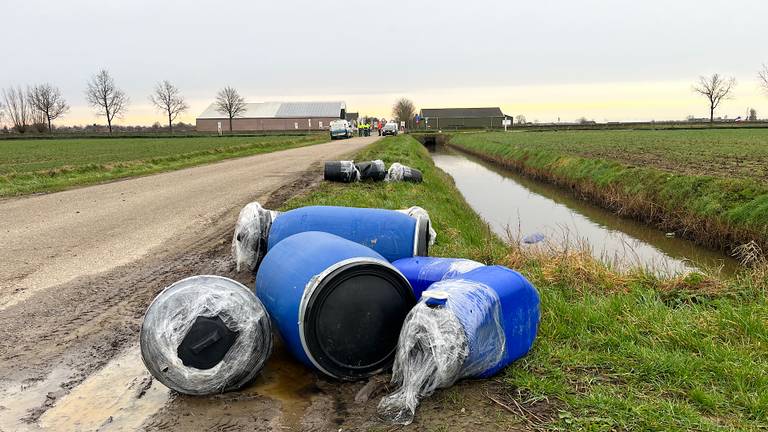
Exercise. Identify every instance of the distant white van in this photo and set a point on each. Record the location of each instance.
(341, 129)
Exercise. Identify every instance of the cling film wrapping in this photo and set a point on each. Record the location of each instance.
(172, 314)
(249, 241)
(350, 170)
(455, 331)
(418, 212)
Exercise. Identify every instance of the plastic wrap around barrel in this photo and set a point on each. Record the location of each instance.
(341, 171)
(339, 306)
(373, 170)
(422, 272)
(205, 335)
(520, 313)
(392, 234)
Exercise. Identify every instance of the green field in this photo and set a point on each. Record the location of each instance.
(709, 185)
(614, 352)
(719, 152)
(44, 165)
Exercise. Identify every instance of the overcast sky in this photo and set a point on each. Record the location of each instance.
(607, 60)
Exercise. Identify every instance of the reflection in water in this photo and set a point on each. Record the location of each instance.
(512, 202)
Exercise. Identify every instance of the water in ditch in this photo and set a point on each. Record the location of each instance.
(523, 207)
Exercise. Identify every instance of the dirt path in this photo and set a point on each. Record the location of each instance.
(51, 239)
(69, 358)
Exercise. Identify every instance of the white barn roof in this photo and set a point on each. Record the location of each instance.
(281, 110)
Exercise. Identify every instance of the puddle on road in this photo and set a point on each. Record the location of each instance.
(279, 399)
(123, 397)
(119, 397)
(19, 399)
(288, 382)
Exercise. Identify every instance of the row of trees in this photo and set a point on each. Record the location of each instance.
(41, 104)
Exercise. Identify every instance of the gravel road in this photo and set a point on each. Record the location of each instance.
(53, 238)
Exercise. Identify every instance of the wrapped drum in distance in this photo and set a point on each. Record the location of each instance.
(373, 170)
(338, 305)
(341, 171)
(391, 233)
(205, 335)
(400, 172)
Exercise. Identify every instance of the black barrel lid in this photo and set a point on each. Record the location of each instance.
(353, 319)
(206, 343)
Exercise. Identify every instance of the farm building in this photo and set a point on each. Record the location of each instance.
(274, 116)
(456, 118)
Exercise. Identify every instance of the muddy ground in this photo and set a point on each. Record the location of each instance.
(69, 361)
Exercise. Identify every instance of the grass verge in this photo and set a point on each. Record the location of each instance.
(615, 351)
(717, 212)
(47, 165)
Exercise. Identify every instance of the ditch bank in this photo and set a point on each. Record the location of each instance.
(718, 213)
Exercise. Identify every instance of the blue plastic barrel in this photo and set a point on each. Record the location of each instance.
(463, 327)
(392, 234)
(517, 303)
(422, 272)
(338, 305)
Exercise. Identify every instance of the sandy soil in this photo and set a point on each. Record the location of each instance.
(80, 268)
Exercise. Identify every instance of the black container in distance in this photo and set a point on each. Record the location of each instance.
(372, 170)
(400, 172)
(341, 171)
(413, 175)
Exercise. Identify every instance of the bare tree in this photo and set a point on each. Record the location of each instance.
(230, 103)
(520, 119)
(103, 94)
(48, 102)
(715, 89)
(404, 110)
(762, 75)
(17, 108)
(168, 99)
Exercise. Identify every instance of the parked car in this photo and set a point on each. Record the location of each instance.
(341, 129)
(389, 129)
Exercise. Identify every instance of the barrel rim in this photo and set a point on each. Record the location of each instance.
(312, 286)
(185, 281)
(421, 236)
